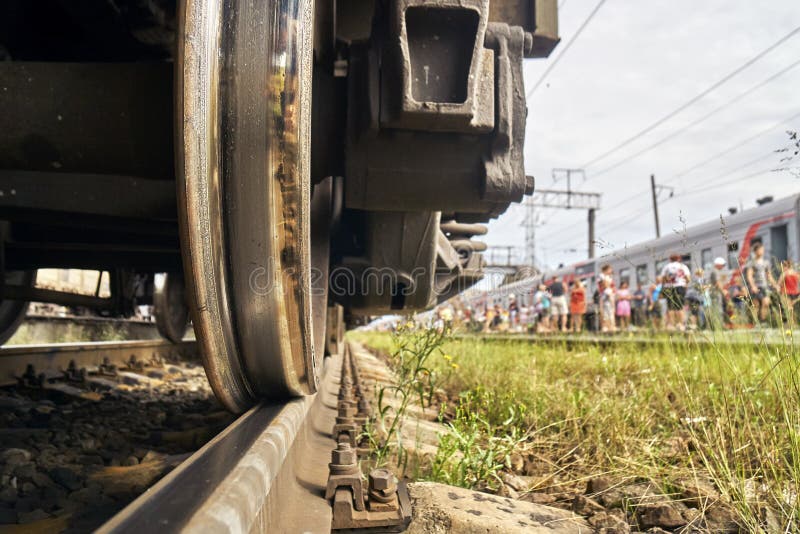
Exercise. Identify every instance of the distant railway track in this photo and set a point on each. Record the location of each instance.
(53, 360)
(770, 338)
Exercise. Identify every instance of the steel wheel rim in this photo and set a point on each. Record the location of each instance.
(244, 90)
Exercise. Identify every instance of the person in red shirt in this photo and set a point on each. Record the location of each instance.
(577, 305)
(789, 286)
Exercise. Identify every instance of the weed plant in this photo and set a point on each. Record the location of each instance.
(664, 411)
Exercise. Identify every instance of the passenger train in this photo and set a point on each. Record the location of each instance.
(774, 223)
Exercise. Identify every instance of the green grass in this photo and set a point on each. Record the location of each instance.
(661, 412)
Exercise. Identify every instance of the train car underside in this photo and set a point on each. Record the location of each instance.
(292, 161)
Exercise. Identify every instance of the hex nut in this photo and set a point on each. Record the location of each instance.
(381, 479)
(346, 410)
(344, 455)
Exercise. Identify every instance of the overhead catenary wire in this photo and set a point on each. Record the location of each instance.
(697, 121)
(627, 219)
(564, 50)
(733, 147)
(692, 100)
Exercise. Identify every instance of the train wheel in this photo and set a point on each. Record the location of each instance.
(12, 312)
(243, 112)
(171, 311)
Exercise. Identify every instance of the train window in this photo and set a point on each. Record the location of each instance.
(583, 270)
(779, 243)
(705, 258)
(733, 254)
(625, 276)
(641, 274)
(660, 266)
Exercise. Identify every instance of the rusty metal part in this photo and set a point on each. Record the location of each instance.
(445, 127)
(387, 278)
(56, 357)
(170, 308)
(244, 193)
(265, 473)
(381, 504)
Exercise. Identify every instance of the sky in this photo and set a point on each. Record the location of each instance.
(634, 63)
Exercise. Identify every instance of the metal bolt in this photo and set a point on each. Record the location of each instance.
(344, 454)
(530, 185)
(346, 411)
(382, 480)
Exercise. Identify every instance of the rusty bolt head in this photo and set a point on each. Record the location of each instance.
(530, 185)
(344, 454)
(381, 480)
(346, 410)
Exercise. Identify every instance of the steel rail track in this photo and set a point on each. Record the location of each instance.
(267, 472)
(14, 359)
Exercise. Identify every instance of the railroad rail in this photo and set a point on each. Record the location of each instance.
(280, 467)
(51, 360)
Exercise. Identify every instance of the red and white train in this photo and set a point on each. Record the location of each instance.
(775, 223)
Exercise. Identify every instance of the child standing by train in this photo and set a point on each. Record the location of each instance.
(577, 305)
(607, 290)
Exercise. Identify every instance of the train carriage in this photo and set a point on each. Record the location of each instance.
(774, 223)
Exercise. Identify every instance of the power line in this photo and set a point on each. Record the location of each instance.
(707, 184)
(732, 148)
(709, 181)
(698, 121)
(563, 52)
(692, 100)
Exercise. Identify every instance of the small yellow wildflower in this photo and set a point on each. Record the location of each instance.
(447, 357)
(788, 333)
(454, 365)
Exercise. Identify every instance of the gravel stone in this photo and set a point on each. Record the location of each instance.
(34, 515)
(583, 505)
(42, 480)
(25, 471)
(14, 456)
(66, 477)
(659, 515)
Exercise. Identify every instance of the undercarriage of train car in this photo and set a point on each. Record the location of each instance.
(293, 161)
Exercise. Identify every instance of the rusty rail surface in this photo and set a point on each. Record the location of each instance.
(56, 357)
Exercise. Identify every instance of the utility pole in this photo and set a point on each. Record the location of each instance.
(567, 173)
(550, 198)
(656, 190)
(655, 203)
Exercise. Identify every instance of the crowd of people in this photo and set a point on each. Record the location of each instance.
(678, 299)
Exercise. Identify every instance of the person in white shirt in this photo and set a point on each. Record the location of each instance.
(676, 276)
